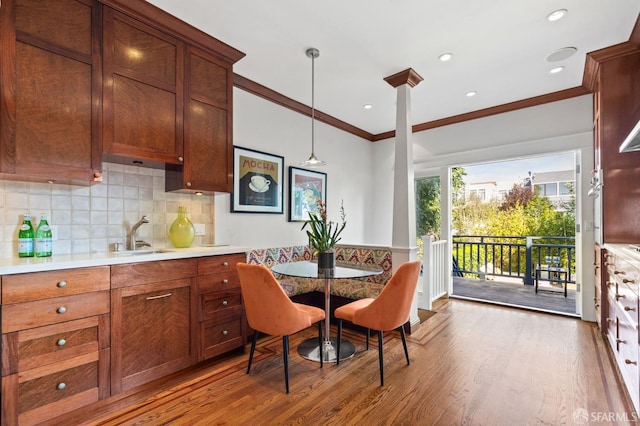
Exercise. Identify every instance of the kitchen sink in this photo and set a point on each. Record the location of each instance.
(141, 252)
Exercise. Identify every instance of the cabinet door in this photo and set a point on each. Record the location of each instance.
(207, 127)
(143, 96)
(51, 89)
(151, 333)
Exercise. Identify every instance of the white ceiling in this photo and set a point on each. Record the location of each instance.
(499, 49)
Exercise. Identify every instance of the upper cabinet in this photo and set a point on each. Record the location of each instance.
(50, 90)
(168, 96)
(143, 91)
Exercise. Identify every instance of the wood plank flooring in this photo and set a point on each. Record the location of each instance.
(517, 294)
(471, 364)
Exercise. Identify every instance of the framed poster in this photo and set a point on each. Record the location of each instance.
(306, 187)
(257, 182)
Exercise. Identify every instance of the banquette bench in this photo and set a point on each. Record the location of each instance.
(343, 291)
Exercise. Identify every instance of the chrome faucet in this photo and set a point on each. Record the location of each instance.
(133, 244)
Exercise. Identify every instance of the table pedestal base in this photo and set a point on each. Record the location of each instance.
(309, 350)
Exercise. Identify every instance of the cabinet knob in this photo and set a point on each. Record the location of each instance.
(61, 386)
(597, 305)
(609, 320)
(609, 283)
(225, 281)
(61, 342)
(97, 176)
(62, 284)
(225, 303)
(180, 159)
(225, 332)
(61, 310)
(628, 361)
(188, 184)
(225, 263)
(629, 308)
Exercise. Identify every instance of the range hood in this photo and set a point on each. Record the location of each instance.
(632, 141)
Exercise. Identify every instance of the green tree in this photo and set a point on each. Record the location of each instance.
(428, 206)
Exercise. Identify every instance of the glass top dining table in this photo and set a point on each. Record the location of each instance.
(309, 349)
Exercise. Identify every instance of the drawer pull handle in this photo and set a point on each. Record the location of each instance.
(62, 284)
(609, 283)
(627, 281)
(609, 320)
(225, 263)
(225, 281)
(618, 272)
(61, 386)
(225, 332)
(162, 296)
(619, 296)
(61, 310)
(628, 361)
(628, 308)
(225, 303)
(597, 305)
(620, 341)
(61, 342)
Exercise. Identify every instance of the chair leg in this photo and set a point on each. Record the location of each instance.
(404, 343)
(367, 347)
(285, 356)
(320, 343)
(338, 339)
(381, 358)
(253, 348)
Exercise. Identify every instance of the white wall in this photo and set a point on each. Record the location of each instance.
(264, 126)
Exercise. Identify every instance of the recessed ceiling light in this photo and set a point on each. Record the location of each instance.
(367, 106)
(445, 57)
(556, 14)
(471, 94)
(556, 70)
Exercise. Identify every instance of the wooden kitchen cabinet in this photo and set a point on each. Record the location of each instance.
(152, 321)
(55, 343)
(143, 91)
(601, 284)
(208, 157)
(221, 320)
(50, 90)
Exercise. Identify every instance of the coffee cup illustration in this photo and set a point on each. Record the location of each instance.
(259, 183)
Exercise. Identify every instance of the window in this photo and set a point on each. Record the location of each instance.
(546, 189)
(565, 188)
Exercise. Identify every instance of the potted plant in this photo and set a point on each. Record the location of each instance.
(324, 235)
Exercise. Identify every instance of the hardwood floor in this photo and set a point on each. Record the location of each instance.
(471, 363)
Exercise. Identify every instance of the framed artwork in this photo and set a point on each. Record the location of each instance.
(258, 182)
(306, 187)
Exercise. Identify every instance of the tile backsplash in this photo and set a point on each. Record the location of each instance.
(90, 219)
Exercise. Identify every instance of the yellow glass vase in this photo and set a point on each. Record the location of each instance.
(182, 232)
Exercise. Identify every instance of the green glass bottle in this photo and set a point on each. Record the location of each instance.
(43, 241)
(182, 232)
(25, 237)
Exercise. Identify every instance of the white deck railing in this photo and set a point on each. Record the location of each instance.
(435, 271)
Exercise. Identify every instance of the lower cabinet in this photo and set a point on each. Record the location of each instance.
(622, 320)
(152, 331)
(221, 320)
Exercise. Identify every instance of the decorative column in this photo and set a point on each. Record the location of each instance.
(403, 241)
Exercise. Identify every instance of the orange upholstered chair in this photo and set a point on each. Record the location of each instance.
(270, 311)
(389, 311)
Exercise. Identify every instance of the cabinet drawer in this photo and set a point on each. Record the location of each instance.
(81, 377)
(44, 285)
(627, 302)
(22, 316)
(219, 337)
(217, 305)
(220, 264)
(133, 274)
(218, 282)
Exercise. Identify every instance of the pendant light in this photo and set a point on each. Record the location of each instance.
(313, 161)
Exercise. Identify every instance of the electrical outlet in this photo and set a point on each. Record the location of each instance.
(200, 228)
(54, 232)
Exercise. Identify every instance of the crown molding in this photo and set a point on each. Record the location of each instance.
(408, 76)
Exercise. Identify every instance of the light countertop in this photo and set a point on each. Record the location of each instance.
(16, 265)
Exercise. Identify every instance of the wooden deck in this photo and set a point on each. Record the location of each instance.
(516, 294)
